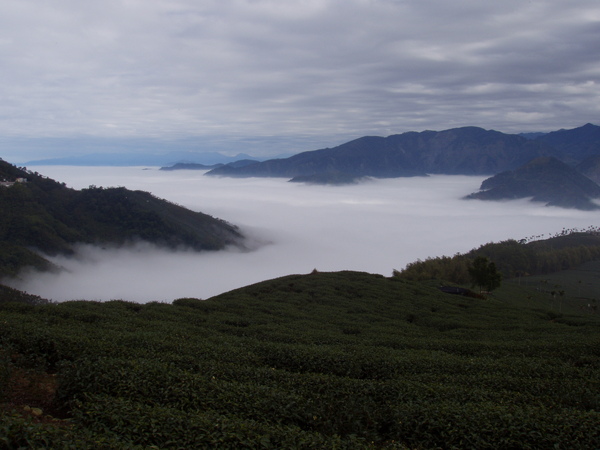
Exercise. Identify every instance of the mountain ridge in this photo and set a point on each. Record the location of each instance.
(457, 151)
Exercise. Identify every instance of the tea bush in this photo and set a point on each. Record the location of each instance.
(274, 366)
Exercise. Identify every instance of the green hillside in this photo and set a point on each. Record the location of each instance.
(42, 216)
(341, 360)
(565, 250)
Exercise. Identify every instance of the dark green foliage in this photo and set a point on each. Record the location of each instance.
(326, 360)
(484, 274)
(50, 218)
(8, 294)
(512, 258)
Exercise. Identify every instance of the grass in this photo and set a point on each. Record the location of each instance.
(580, 287)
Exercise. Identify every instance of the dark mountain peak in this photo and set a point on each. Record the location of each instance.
(469, 130)
(574, 145)
(584, 131)
(544, 179)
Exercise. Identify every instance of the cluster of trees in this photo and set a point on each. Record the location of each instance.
(511, 258)
(484, 274)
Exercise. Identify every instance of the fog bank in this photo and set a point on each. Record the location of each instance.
(375, 227)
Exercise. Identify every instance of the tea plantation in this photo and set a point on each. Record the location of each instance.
(341, 360)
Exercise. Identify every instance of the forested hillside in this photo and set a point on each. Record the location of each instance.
(43, 216)
(327, 360)
(566, 250)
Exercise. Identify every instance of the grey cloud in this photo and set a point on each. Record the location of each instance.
(317, 68)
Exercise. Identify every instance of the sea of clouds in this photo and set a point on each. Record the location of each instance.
(376, 226)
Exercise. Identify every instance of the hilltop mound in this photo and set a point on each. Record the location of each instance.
(544, 179)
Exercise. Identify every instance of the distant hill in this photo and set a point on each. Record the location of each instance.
(190, 166)
(42, 216)
(464, 151)
(127, 158)
(544, 179)
(330, 178)
(194, 166)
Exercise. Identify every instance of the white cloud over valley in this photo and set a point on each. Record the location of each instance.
(375, 227)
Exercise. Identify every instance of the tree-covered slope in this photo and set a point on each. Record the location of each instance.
(544, 179)
(340, 360)
(42, 215)
(566, 250)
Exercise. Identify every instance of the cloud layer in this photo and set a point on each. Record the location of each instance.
(374, 227)
(260, 68)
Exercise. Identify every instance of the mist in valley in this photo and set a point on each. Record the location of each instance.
(375, 226)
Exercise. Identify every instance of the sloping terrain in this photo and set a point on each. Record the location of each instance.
(341, 360)
(40, 215)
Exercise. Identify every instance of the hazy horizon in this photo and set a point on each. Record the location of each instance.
(376, 227)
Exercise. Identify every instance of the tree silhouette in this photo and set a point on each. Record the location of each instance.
(484, 274)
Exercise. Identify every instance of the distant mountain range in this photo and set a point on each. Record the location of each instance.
(41, 216)
(193, 166)
(551, 177)
(458, 151)
(141, 159)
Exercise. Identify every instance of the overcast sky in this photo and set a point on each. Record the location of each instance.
(318, 72)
